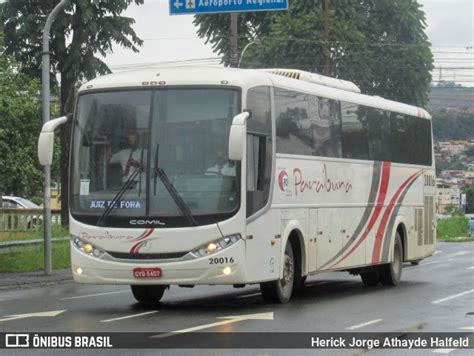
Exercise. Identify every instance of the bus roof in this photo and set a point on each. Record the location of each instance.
(246, 78)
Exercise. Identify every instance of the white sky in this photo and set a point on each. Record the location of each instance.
(173, 38)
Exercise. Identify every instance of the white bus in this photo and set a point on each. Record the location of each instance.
(193, 175)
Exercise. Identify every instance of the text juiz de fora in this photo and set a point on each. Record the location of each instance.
(391, 342)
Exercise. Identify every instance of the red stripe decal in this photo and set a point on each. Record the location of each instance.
(380, 201)
(140, 241)
(145, 234)
(386, 216)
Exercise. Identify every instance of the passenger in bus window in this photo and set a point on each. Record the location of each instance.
(130, 158)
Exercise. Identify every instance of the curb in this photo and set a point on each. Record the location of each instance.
(24, 280)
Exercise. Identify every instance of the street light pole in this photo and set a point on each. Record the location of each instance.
(45, 93)
(234, 39)
(256, 41)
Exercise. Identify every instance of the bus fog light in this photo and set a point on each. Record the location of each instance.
(79, 270)
(227, 270)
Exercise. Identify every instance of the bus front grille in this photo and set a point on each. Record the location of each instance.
(146, 256)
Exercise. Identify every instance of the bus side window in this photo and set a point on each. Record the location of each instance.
(259, 149)
(255, 162)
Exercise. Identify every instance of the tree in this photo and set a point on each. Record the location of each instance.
(452, 209)
(469, 191)
(449, 126)
(380, 45)
(20, 120)
(85, 30)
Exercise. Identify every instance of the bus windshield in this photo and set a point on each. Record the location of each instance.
(154, 157)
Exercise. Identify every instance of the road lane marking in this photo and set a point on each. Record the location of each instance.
(129, 316)
(460, 253)
(228, 320)
(443, 351)
(470, 267)
(358, 326)
(452, 296)
(467, 328)
(95, 295)
(248, 295)
(435, 262)
(436, 252)
(49, 314)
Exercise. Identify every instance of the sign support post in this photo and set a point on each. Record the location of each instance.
(234, 39)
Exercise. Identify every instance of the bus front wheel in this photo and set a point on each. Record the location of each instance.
(148, 294)
(280, 291)
(390, 274)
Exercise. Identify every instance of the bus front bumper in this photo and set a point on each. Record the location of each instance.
(224, 267)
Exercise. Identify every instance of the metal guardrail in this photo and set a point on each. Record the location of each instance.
(25, 243)
(25, 219)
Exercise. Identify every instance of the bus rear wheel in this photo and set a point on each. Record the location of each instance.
(280, 291)
(148, 294)
(390, 274)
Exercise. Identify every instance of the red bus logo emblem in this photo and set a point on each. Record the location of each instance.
(283, 181)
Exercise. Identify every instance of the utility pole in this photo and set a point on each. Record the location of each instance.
(45, 94)
(327, 65)
(234, 39)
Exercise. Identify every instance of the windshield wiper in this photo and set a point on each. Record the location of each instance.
(172, 190)
(119, 195)
(141, 169)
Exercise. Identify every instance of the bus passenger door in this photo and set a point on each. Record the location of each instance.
(350, 232)
(328, 239)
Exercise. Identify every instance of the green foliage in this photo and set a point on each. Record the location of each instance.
(380, 45)
(57, 231)
(452, 227)
(449, 127)
(20, 123)
(79, 34)
(452, 209)
(30, 259)
(442, 165)
(469, 191)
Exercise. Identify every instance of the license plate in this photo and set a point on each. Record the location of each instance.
(147, 272)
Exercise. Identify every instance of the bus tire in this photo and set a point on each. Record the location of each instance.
(391, 273)
(370, 278)
(147, 294)
(280, 291)
(299, 282)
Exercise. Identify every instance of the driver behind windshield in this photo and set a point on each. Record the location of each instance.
(131, 158)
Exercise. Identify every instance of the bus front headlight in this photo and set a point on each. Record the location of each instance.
(86, 247)
(216, 246)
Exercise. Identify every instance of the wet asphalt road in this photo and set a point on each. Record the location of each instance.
(435, 296)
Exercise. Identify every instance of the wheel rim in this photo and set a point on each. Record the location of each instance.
(396, 263)
(288, 273)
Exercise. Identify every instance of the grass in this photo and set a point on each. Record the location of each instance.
(56, 231)
(453, 229)
(28, 259)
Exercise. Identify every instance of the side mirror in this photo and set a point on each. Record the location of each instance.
(46, 140)
(237, 136)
